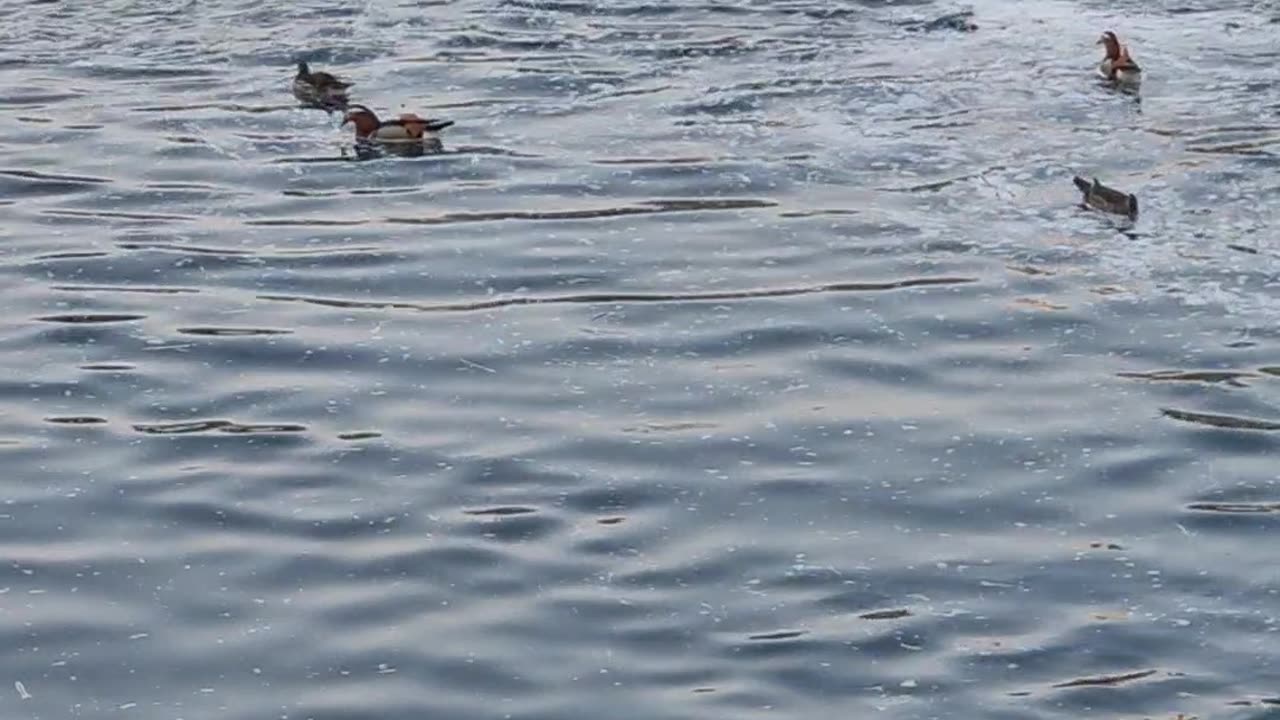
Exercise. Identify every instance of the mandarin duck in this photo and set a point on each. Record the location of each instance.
(1101, 197)
(1118, 66)
(408, 128)
(320, 88)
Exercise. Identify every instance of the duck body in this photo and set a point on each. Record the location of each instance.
(1125, 71)
(1118, 66)
(961, 21)
(320, 88)
(1110, 200)
(406, 129)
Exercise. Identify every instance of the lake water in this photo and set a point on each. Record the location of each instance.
(734, 360)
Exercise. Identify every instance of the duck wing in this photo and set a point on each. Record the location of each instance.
(421, 124)
(408, 129)
(1125, 63)
(328, 81)
(1111, 196)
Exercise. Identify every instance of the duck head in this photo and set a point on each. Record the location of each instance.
(365, 120)
(1111, 43)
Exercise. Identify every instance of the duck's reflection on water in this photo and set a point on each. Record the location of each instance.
(369, 151)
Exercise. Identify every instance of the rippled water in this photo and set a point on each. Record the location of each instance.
(735, 359)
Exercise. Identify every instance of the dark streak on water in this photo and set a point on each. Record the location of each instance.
(108, 367)
(122, 289)
(90, 318)
(222, 426)
(886, 614)
(1230, 422)
(728, 360)
(624, 298)
(645, 208)
(1107, 679)
(230, 332)
(1236, 507)
(780, 635)
(359, 435)
(75, 420)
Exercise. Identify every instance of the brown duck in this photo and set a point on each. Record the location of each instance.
(320, 88)
(1118, 66)
(1101, 197)
(408, 128)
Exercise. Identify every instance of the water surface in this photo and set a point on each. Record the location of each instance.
(733, 360)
